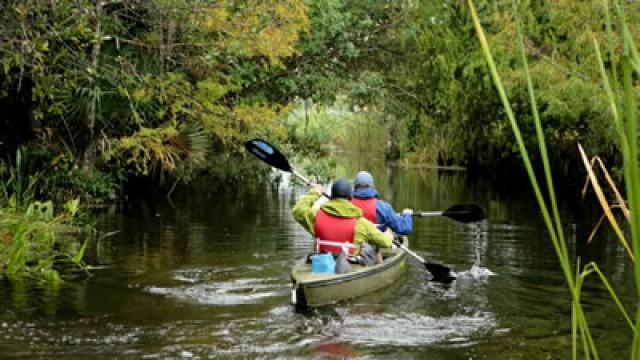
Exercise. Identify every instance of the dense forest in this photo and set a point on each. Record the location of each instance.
(96, 93)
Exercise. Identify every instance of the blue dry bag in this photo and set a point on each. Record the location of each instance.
(323, 263)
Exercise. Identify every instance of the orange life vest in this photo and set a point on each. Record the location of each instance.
(368, 207)
(335, 234)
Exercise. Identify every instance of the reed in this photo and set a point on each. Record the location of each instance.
(623, 107)
(604, 203)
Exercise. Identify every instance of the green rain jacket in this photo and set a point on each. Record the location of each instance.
(365, 230)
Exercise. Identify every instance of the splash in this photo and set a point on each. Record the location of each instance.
(478, 271)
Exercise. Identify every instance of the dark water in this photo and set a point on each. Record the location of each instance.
(207, 277)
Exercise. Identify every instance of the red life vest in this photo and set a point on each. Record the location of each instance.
(368, 207)
(334, 234)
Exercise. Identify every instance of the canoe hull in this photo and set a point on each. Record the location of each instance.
(313, 289)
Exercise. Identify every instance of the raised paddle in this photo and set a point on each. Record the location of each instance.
(269, 154)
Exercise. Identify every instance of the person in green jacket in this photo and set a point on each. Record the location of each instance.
(340, 206)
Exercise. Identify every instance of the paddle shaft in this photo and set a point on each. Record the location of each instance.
(410, 252)
(301, 177)
(307, 181)
(427, 213)
(464, 213)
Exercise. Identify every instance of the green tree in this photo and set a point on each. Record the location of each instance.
(451, 79)
(146, 84)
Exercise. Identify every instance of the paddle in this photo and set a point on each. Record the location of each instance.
(270, 155)
(440, 272)
(464, 213)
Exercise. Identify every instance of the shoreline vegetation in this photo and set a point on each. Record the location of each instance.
(620, 91)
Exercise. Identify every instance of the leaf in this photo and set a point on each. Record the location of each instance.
(71, 206)
(77, 258)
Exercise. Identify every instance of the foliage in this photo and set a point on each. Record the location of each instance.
(344, 39)
(335, 127)
(37, 244)
(456, 103)
(39, 171)
(110, 85)
(320, 133)
(121, 75)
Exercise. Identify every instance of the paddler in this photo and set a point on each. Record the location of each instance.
(338, 225)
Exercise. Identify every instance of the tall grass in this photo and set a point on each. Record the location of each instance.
(18, 186)
(623, 108)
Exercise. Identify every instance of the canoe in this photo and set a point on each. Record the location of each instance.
(317, 289)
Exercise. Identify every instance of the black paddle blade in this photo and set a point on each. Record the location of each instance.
(268, 153)
(465, 213)
(440, 273)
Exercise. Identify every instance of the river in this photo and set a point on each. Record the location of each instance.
(206, 276)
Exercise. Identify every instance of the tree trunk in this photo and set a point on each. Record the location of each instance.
(392, 151)
(306, 117)
(89, 153)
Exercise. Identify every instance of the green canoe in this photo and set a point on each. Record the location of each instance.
(317, 289)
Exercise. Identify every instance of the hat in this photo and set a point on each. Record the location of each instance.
(341, 188)
(363, 178)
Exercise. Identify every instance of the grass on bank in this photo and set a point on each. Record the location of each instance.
(622, 103)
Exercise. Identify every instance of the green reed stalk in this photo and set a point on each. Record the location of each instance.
(593, 268)
(626, 126)
(540, 134)
(633, 188)
(553, 232)
(555, 228)
(623, 109)
(611, 47)
(518, 135)
(613, 103)
(630, 62)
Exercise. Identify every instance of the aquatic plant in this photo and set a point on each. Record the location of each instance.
(38, 244)
(623, 107)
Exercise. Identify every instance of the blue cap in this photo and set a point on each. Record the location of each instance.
(363, 178)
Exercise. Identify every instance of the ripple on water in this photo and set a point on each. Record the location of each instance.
(414, 329)
(222, 286)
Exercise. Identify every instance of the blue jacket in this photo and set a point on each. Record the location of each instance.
(385, 215)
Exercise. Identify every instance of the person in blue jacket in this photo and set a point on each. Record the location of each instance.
(378, 211)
